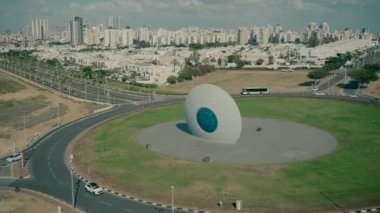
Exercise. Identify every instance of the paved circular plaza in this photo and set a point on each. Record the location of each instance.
(262, 141)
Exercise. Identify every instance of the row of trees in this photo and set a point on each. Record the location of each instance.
(366, 74)
(314, 41)
(331, 64)
(189, 72)
(211, 45)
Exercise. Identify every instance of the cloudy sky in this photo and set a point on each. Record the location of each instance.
(173, 14)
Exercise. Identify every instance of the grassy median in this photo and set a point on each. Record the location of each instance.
(349, 176)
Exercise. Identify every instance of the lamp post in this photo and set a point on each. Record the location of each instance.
(172, 188)
(25, 138)
(72, 181)
(58, 121)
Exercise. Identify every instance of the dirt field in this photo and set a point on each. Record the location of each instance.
(233, 81)
(23, 203)
(40, 108)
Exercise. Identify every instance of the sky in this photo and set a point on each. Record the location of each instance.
(174, 14)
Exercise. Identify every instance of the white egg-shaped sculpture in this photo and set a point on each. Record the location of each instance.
(212, 114)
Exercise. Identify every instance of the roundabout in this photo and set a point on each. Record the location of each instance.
(117, 157)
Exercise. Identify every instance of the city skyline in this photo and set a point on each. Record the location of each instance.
(292, 14)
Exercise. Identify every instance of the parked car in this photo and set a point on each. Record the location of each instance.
(94, 188)
(14, 157)
(319, 93)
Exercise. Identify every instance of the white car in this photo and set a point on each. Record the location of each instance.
(14, 157)
(319, 93)
(93, 187)
(353, 96)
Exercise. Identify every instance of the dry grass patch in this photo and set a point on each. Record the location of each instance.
(233, 81)
(23, 203)
(40, 106)
(373, 89)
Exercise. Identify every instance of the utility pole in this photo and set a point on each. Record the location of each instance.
(172, 188)
(25, 138)
(72, 181)
(58, 122)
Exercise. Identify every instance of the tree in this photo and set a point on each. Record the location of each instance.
(185, 74)
(271, 59)
(219, 61)
(317, 74)
(239, 63)
(364, 76)
(172, 79)
(87, 72)
(313, 41)
(297, 41)
(373, 67)
(206, 61)
(193, 59)
(259, 61)
(175, 63)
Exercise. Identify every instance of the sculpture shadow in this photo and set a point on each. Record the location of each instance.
(184, 128)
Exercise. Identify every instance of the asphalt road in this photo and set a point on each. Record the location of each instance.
(51, 176)
(85, 90)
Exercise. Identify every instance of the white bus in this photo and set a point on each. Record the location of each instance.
(254, 91)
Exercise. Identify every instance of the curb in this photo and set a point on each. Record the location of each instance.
(365, 210)
(130, 197)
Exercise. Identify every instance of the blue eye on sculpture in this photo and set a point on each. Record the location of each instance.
(207, 120)
(213, 115)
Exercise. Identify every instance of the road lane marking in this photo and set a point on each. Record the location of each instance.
(105, 203)
(127, 210)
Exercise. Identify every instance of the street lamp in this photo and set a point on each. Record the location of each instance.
(72, 181)
(25, 141)
(172, 187)
(58, 121)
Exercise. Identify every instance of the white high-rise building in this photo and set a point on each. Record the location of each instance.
(76, 31)
(278, 29)
(312, 26)
(115, 22)
(325, 28)
(143, 34)
(127, 37)
(114, 38)
(243, 35)
(40, 29)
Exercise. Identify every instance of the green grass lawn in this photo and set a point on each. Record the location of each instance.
(350, 175)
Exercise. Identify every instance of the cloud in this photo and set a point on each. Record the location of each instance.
(75, 6)
(92, 6)
(191, 3)
(350, 2)
(298, 5)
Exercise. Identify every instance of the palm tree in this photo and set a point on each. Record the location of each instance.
(175, 63)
